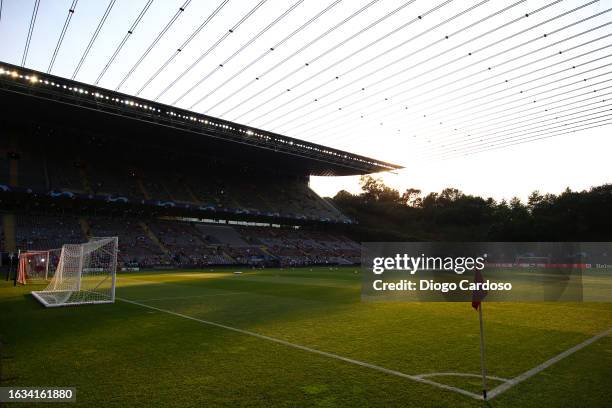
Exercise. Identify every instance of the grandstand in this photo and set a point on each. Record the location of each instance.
(179, 189)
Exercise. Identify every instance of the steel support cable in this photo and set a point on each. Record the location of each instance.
(512, 141)
(555, 133)
(93, 37)
(549, 112)
(449, 63)
(449, 138)
(360, 65)
(1, 2)
(563, 93)
(549, 107)
(125, 38)
(211, 48)
(264, 54)
(289, 89)
(237, 52)
(511, 80)
(154, 43)
(507, 24)
(488, 137)
(382, 54)
(382, 101)
(327, 52)
(472, 130)
(465, 102)
(30, 31)
(182, 46)
(62, 34)
(295, 53)
(500, 91)
(363, 88)
(492, 136)
(443, 135)
(340, 61)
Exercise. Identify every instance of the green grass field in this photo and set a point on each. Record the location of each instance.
(128, 354)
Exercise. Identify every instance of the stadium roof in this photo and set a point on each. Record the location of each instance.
(33, 93)
(441, 80)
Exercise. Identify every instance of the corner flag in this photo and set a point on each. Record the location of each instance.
(477, 297)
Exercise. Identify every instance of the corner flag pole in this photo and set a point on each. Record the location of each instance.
(483, 365)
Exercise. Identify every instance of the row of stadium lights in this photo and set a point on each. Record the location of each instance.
(34, 79)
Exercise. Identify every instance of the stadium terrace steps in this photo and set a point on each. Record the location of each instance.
(264, 249)
(8, 228)
(194, 198)
(328, 203)
(85, 181)
(153, 237)
(66, 159)
(142, 188)
(85, 228)
(225, 235)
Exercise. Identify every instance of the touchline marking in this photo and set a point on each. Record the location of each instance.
(492, 377)
(190, 297)
(311, 350)
(528, 374)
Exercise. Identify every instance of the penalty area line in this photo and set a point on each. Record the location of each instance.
(311, 350)
(530, 373)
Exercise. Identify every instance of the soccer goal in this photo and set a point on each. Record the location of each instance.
(529, 261)
(36, 265)
(85, 274)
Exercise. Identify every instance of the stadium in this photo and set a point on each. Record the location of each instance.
(251, 180)
(155, 253)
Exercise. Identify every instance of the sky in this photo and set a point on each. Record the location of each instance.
(496, 98)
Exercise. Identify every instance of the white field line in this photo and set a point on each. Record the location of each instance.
(311, 350)
(527, 374)
(190, 297)
(460, 375)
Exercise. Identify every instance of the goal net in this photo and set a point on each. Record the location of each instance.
(85, 274)
(36, 265)
(529, 261)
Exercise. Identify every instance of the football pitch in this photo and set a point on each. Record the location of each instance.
(301, 337)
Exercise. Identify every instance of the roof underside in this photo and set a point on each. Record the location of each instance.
(35, 95)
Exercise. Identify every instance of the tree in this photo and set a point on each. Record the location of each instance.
(374, 189)
(452, 215)
(412, 197)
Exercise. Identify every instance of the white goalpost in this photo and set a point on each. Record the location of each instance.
(529, 261)
(36, 265)
(85, 274)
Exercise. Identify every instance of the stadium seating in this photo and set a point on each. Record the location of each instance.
(35, 232)
(156, 175)
(172, 243)
(2, 243)
(71, 164)
(135, 246)
(304, 247)
(222, 234)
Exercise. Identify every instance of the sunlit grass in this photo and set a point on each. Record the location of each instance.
(128, 355)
